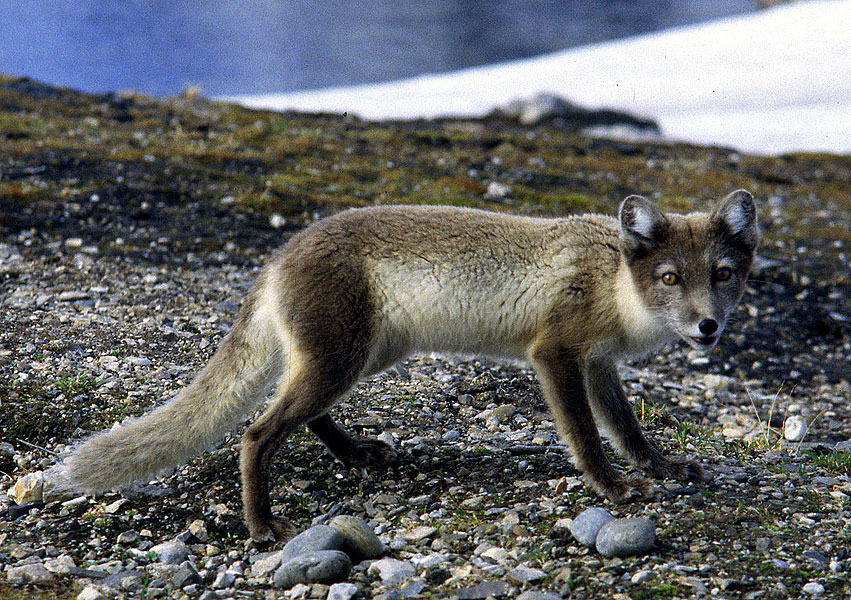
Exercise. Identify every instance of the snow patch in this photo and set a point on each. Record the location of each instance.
(774, 81)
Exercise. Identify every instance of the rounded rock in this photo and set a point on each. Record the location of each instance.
(325, 566)
(587, 524)
(360, 543)
(642, 576)
(315, 539)
(814, 588)
(626, 537)
(795, 428)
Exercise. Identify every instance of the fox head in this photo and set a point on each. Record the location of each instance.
(690, 270)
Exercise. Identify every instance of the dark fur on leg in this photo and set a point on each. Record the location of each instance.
(612, 408)
(350, 450)
(299, 401)
(560, 372)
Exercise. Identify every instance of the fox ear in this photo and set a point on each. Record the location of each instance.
(642, 224)
(736, 216)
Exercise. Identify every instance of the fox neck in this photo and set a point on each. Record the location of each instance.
(642, 332)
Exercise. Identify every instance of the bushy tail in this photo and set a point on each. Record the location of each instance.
(223, 394)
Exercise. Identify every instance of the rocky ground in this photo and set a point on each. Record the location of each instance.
(131, 228)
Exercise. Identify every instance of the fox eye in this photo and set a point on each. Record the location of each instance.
(670, 278)
(723, 274)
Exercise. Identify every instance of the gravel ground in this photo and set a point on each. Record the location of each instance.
(119, 275)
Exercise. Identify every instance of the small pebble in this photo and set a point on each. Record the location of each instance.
(814, 588)
(795, 428)
(342, 591)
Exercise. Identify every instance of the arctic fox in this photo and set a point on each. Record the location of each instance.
(353, 294)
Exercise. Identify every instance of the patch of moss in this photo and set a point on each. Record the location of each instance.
(660, 589)
(63, 589)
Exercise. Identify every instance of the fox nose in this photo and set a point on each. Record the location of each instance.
(708, 326)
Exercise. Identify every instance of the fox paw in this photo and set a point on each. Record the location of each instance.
(629, 489)
(365, 452)
(681, 469)
(270, 531)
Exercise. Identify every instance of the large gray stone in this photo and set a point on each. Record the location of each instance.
(535, 595)
(523, 575)
(588, 523)
(545, 108)
(485, 589)
(412, 588)
(224, 580)
(171, 553)
(61, 565)
(325, 566)
(267, 563)
(626, 537)
(315, 539)
(186, 575)
(34, 573)
(361, 543)
(116, 580)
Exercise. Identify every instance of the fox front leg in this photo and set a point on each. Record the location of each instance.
(561, 376)
(613, 410)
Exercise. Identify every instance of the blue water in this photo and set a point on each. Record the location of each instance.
(253, 46)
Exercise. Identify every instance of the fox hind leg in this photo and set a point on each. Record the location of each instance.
(304, 397)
